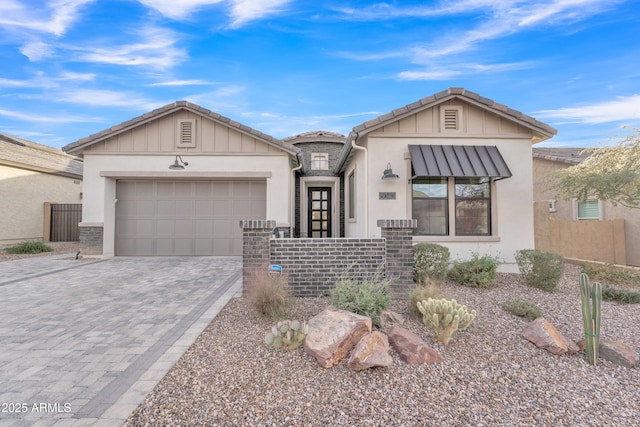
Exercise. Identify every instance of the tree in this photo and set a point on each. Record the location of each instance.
(609, 173)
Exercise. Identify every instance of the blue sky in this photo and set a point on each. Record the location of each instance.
(71, 68)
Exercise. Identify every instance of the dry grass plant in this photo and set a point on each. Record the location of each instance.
(269, 293)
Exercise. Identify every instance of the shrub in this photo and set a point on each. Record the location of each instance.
(269, 293)
(478, 272)
(29, 247)
(522, 308)
(364, 294)
(540, 269)
(430, 260)
(626, 296)
(422, 292)
(287, 334)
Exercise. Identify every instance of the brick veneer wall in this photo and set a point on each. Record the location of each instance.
(314, 265)
(91, 237)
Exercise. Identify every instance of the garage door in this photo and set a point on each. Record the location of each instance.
(185, 218)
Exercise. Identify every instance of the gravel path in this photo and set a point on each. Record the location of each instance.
(491, 376)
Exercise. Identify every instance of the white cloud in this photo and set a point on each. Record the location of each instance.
(37, 51)
(446, 72)
(156, 49)
(34, 118)
(55, 18)
(106, 98)
(243, 11)
(180, 83)
(178, 9)
(621, 109)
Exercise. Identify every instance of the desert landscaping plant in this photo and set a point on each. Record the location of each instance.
(540, 269)
(29, 247)
(446, 317)
(429, 288)
(362, 293)
(522, 308)
(430, 260)
(287, 334)
(625, 296)
(591, 298)
(478, 272)
(613, 275)
(268, 293)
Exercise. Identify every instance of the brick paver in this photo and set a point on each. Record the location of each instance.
(83, 342)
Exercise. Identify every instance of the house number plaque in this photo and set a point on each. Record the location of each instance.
(387, 195)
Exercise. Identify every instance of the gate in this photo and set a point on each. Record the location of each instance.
(64, 222)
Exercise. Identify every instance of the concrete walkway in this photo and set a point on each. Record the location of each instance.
(83, 342)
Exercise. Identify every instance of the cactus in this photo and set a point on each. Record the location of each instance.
(591, 297)
(445, 316)
(287, 334)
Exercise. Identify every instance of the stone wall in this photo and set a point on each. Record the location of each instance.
(91, 237)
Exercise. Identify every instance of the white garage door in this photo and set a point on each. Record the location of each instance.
(185, 218)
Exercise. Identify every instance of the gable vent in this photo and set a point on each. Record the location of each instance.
(451, 119)
(186, 134)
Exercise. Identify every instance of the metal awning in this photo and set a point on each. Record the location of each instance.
(473, 161)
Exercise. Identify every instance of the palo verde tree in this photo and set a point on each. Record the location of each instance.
(609, 173)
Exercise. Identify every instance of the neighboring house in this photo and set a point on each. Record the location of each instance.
(458, 163)
(30, 175)
(591, 212)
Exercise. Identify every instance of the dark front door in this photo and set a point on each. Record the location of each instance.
(319, 211)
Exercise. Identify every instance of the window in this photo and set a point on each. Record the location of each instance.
(470, 199)
(351, 182)
(430, 207)
(473, 205)
(552, 206)
(319, 161)
(588, 209)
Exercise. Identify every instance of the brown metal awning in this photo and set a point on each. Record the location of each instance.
(473, 161)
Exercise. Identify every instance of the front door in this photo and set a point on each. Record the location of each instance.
(319, 211)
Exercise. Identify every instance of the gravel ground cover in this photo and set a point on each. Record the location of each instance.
(491, 375)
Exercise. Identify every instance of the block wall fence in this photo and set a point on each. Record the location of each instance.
(314, 265)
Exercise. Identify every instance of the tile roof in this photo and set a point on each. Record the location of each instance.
(24, 154)
(571, 156)
(80, 144)
(316, 136)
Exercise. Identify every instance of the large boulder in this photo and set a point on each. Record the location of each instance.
(389, 318)
(618, 353)
(371, 351)
(333, 333)
(411, 348)
(544, 335)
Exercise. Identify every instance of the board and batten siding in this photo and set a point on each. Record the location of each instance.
(159, 136)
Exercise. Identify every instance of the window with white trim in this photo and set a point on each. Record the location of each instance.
(319, 161)
(588, 209)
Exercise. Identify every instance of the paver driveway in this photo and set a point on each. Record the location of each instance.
(83, 342)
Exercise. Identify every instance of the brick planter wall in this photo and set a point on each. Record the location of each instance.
(314, 265)
(91, 237)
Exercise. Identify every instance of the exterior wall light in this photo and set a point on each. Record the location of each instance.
(388, 173)
(178, 166)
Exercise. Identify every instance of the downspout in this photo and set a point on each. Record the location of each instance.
(366, 183)
(292, 196)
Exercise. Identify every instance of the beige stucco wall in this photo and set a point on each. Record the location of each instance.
(543, 168)
(512, 216)
(22, 196)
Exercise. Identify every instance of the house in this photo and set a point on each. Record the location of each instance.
(30, 175)
(458, 163)
(591, 229)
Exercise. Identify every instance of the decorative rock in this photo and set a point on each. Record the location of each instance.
(411, 348)
(333, 333)
(618, 353)
(389, 318)
(544, 335)
(371, 351)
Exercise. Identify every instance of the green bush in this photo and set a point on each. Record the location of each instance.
(540, 269)
(626, 296)
(430, 260)
(269, 293)
(522, 308)
(30, 247)
(422, 292)
(364, 294)
(478, 272)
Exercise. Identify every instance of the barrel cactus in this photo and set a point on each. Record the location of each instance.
(445, 316)
(287, 334)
